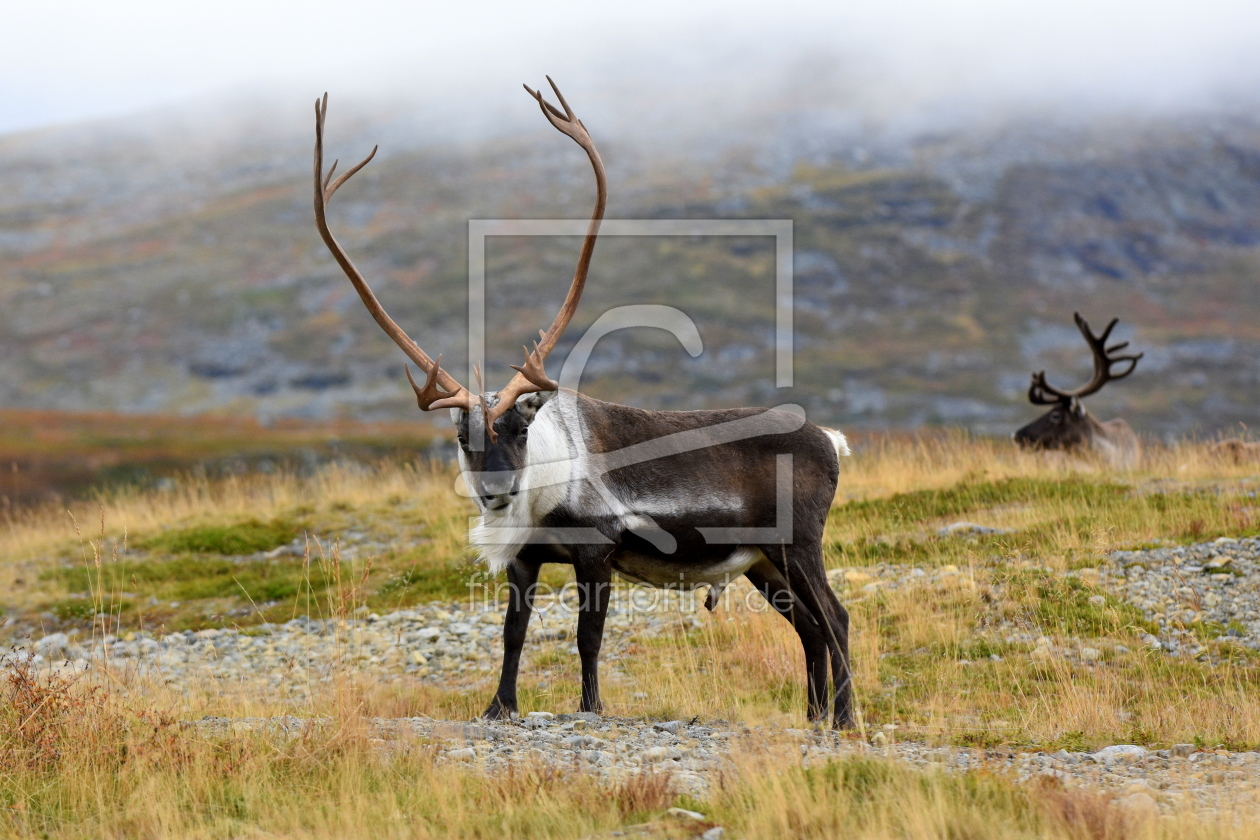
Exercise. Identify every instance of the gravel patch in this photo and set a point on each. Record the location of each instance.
(1195, 594)
(431, 642)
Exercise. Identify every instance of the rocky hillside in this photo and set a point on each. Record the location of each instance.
(172, 264)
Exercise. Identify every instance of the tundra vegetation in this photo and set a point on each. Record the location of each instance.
(103, 753)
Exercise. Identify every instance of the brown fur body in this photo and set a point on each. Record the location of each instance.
(676, 499)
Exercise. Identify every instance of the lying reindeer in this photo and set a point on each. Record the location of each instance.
(662, 498)
(1068, 426)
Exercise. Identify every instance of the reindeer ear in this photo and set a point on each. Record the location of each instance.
(527, 405)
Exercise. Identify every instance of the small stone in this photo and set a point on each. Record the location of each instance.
(52, 645)
(540, 716)
(963, 528)
(465, 754)
(1119, 752)
(1182, 750)
(597, 757)
(1089, 654)
(683, 813)
(715, 833)
(576, 742)
(880, 740)
(671, 727)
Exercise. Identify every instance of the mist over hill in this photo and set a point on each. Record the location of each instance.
(170, 262)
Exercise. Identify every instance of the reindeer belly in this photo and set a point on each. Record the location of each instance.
(678, 573)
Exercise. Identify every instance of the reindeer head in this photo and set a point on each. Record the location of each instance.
(1067, 425)
(492, 427)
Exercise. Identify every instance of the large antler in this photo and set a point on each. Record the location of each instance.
(440, 390)
(1041, 393)
(530, 377)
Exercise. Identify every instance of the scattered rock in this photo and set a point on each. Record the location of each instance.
(683, 813)
(1201, 586)
(969, 528)
(1119, 752)
(54, 646)
(451, 731)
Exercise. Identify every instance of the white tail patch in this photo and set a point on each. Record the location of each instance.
(839, 441)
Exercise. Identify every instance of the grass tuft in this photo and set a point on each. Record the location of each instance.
(245, 537)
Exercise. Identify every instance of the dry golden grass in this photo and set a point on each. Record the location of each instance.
(77, 761)
(117, 765)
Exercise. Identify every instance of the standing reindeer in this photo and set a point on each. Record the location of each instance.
(1068, 426)
(670, 499)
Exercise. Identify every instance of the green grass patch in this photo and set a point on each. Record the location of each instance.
(1069, 606)
(920, 505)
(456, 579)
(246, 537)
(190, 578)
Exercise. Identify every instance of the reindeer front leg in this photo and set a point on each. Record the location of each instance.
(522, 581)
(594, 583)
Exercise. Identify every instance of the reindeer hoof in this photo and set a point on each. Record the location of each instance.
(498, 711)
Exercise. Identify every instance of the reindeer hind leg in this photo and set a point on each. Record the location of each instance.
(775, 588)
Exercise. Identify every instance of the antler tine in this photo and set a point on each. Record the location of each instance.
(430, 397)
(440, 389)
(328, 191)
(531, 377)
(1039, 388)
(546, 106)
(565, 105)
(1104, 361)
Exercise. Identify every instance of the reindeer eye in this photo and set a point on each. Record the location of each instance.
(1056, 416)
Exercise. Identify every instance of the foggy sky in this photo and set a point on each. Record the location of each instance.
(63, 61)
